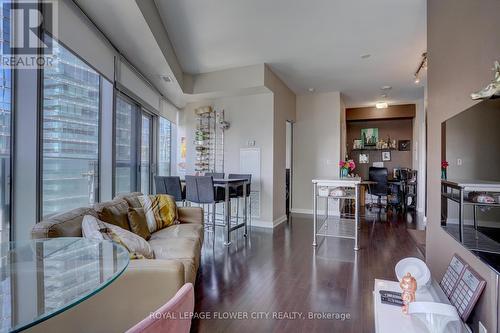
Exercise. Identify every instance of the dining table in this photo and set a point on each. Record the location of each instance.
(228, 184)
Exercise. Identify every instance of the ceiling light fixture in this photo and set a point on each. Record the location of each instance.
(381, 105)
(421, 66)
(366, 56)
(311, 90)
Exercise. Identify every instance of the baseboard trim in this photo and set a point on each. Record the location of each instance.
(280, 220)
(310, 212)
(262, 224)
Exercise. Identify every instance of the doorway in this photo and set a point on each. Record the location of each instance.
(289, 167)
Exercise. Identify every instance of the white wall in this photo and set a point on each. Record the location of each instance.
(316, 138)
(418, 151)
(251, 118)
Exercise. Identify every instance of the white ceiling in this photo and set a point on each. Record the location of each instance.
(308, 43)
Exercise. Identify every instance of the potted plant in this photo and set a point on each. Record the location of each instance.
(346, 167)
(444, 168)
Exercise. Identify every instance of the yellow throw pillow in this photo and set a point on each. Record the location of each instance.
(138, 223)
(160, 211)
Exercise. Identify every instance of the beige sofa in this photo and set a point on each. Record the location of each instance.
(145, 285)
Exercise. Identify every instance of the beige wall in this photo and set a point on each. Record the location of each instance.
(284, 109)
(418, 151)
(251, 118)
(316, 139)
(463, 42)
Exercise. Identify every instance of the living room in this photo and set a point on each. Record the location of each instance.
(193, 166)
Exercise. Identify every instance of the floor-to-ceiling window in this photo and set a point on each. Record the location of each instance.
(5, 126)
(146, 144)
(70, 133)
(133, 146)
(126, 159)
(164, 147)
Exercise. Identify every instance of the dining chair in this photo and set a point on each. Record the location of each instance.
(171, 317)
(238, 192)
(170, 185)
(215, 175)
(201, 190)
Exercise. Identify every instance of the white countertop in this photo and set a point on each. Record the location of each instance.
(337, 181)
(474, 184)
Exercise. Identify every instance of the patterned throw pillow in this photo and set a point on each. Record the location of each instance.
(94, 228)
(160, 210)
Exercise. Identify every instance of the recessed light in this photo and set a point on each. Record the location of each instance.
(166, 78)
(366, 56)
(381, 105)
(385, 88)
(311, 90)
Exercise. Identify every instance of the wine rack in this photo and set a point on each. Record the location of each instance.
(209, 140)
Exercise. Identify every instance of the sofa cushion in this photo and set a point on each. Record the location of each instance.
(194, 231)
(137, 246)
(114, 212)
(138, 223)
(186, 250)
(68, 224)
(131, 198)
(160, 211)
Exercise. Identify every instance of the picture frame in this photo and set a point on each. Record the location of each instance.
(404, 145)
(386, 156)
(364, 158)
(357, 144)
(369, 137)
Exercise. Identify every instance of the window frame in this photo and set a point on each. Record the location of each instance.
(141, 110)
(40, 111)
(158, 145)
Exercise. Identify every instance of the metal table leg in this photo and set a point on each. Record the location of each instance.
(227, 216)
(461, 216)
(315, 211)
(245, 208)
(356, 218)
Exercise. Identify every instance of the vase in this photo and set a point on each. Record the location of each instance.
(443, 174)
(344, 172)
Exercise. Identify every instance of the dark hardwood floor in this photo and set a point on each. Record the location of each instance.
(280, 271)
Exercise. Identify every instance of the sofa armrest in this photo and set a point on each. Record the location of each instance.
(190, 215)
(142, 288)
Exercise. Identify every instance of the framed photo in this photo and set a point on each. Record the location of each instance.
(364, 158)
(386, 156)
(404, 145)
(369, 136)
(357, 144)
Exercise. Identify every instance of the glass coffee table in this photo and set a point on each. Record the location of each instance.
(42, 278)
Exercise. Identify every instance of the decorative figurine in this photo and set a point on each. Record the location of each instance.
(492, 90)
(409, 286)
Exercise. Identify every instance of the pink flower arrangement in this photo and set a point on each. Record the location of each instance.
(347, 165)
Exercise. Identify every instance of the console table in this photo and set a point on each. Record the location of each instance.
(345, 226)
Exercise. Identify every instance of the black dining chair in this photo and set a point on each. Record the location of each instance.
(170, 185)
(215, 175)
(201, 190)
(238, 192)
(381, 188)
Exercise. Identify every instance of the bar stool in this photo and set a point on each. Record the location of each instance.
(201, 190)
(238, 193)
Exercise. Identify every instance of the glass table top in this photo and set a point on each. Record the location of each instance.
(44, 277)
